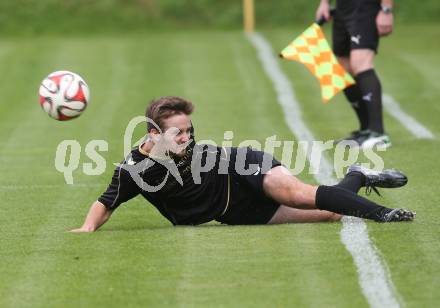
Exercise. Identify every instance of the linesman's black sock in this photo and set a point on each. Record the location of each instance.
(371, 91)
(354, 97)
(339, 200)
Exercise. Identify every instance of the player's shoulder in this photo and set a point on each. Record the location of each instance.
(134, 156)
(138, 155)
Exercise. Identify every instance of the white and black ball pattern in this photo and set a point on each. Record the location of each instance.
(64, 95)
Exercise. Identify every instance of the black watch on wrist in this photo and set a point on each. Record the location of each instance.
(386, 9)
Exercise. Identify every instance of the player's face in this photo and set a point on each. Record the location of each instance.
(177, 131)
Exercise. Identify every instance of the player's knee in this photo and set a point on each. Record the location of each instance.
(300, 196)
(288, 190)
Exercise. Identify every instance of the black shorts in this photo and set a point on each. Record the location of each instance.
(248, 204)
(354, 26)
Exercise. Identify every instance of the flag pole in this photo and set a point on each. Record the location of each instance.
(248, 15)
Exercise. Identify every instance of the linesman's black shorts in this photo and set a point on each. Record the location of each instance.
(248, 204)
(354, 26)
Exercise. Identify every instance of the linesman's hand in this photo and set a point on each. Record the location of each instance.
(323, 10)
(384, 23)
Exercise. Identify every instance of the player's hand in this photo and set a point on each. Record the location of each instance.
(81, 230)
(323, 10)
(384, 23)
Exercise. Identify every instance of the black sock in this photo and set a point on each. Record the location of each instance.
(338, 200)
(352, 182)
(371, 91)
(354, 96)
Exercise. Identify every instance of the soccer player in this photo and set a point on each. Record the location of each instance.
(357, 26)
(191, 184)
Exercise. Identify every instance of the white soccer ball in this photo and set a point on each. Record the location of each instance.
(64, 95)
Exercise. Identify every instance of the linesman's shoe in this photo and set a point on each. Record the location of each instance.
(387, 178)
(374, 139)
(393, 215)
(357, 135)
(366, 139)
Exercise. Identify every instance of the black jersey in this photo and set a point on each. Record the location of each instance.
(174, 194)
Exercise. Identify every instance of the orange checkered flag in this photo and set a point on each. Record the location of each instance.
(312, 49)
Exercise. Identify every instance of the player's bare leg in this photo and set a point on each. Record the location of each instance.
(286, 214)
(286, 189)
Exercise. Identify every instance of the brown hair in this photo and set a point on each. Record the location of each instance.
(165, 107)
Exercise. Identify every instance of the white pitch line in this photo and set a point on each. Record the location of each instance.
(411, 124)
(292, 111)
(374, 279)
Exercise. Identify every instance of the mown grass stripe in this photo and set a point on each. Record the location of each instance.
(35, 284)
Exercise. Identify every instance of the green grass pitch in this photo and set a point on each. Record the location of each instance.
(138, 258)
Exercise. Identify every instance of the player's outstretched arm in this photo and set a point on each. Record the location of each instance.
(97, 216)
